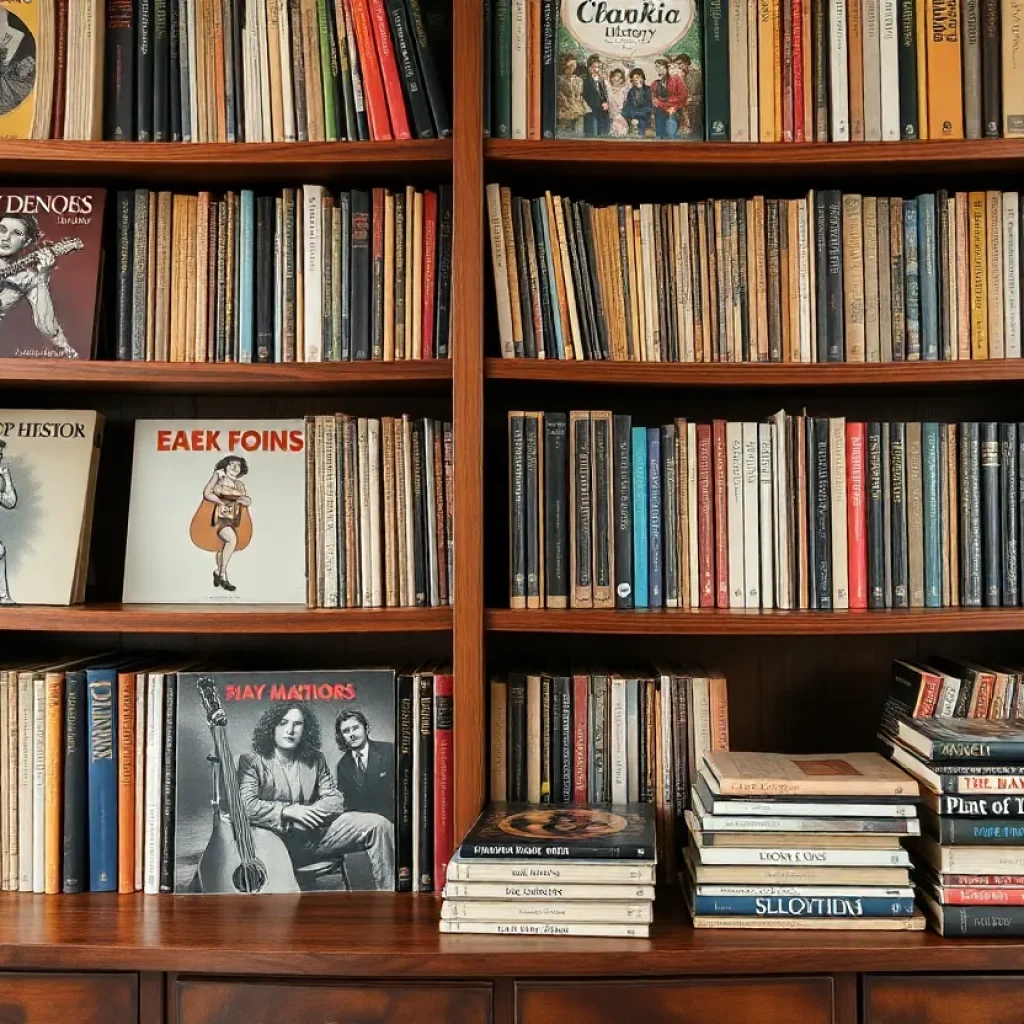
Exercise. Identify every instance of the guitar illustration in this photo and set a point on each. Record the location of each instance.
(61, 248)
(238, 858)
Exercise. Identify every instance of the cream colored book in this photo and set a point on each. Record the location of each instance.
(1012, 14)
(45, 56)
(1011, 275)
(533, 739)
(739, 86)
(512, 268)
(859, 924)
(994, 272)
(839, 82)
(548, 929)
(141, 685)
(401, 514)
(26, 805)
(872, 348)
(548, 892)
(263, 45)
(889, 69)
(312, 281)
(518, 75)
(870, 11)
(753, 90)
(561, 911)
(751, 519)
(284, 56)
(804, 278)
(691, 502)
(608, 872)
(853, 278)
(375, 525)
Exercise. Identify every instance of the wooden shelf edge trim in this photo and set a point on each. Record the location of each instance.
(214, 619)
(711, 622)
(717, 375)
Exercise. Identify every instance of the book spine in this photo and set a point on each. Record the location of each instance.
(930, 483)
(126, 783)
(655, 569)
(501, 64)
(52, 751)
(168, 777)
(876, 517)
(991, 544)
(161, 72)
(530, 507)
(735, 513)
(857, 514)
(580, 737)
(912, 282)
(425, 782)
(970, 516)
(822, 513)
(945, 93)
(76, 821)
(555, 505)
(428, 66)
(364, 25)
(623, 509)
(102, 782)
(908, 70)
(640, 517)
(834, 318)
(839, 85)
(1010, 509)
(444, 838)
(1012, 93)
(928, 271)
(119, 99)
(562, 766)
(716, 71)
(970, 28)
(499, 775)
(406, 782)
(975, 832)
(144, 70)
(915, 515)
(898, 515)
(992, 82)
(776, 907)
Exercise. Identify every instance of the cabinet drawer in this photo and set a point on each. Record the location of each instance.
(950, 999)
(696, 1001)
(28, 998)
(210, 1001)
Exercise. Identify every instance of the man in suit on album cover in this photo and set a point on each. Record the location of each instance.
(595, 95)
(366, 769)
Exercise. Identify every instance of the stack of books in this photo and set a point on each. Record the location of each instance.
(805, 841)
(969, 861)
(532, 869)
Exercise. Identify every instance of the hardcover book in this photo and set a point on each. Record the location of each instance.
(50, 256)
(630, 70)
(964, 739)
(217, 513)
(285, 782)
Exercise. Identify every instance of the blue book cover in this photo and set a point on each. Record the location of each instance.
(912, 286)
(927, 257)
(931, 475)
(101, 702)
(805, 906)
(640, 516)
(247, 248)
(654, 560)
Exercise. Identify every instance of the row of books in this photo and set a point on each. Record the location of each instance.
(302, 276)
(380, 529)
(109, 771)
(599, 737)
(830, 277)
(753, 71)
(796, 512)
(207, 71)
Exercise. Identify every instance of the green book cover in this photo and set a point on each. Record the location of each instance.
(630, 69)
(329, 73)
(501, 62)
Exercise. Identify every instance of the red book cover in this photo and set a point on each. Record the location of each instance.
(60, 70)
(798, 72)
(856, 514)
(389, 69)
(373, 87)
(444, 838)
(580, 758)
(429, 271)
(1012, 881)
(929, 696)
(983, 896)
(985, 685)
(705, 517)
(721, 516)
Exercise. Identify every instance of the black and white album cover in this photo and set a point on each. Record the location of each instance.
(285, 781)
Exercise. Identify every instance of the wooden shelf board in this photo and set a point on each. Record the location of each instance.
(216, 163)
(705, 160)
(398, 938)
(223, 619)
(712, 622)
(733, 375)
(222, 378)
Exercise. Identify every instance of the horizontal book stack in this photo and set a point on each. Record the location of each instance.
(829, 277)
(768, 71)
(108, 772)
(379, 499)
(532, 869)
(300, 276)
(806, 841)
(607, 738)
(969, 860)
(796, 512)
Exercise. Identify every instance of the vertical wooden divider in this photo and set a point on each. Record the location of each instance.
(467, 408)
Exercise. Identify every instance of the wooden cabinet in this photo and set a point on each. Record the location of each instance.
(948, 999)
(36, 998)
(722, 1000)
(212, 1001)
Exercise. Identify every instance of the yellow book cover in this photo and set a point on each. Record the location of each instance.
(19, 33)
(945, 95)
(978, 263)
(126, 782)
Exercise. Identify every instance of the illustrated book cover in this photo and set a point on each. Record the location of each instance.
(23, 67)
(217, 513)
(629, 69)
(48, 464)
(51, 255)
(285, 781)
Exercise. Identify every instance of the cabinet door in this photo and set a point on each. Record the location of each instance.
(29, 998)
(952, 999)
(210, 1001)
(696, 1001)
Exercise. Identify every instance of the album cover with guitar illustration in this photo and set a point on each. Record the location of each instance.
(51, 254)
(285, 781)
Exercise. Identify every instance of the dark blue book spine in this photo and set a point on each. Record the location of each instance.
(970, 516)
(654, 567)
(1010, 507)
(716, 70)
(991, 543)
(931, 475)
(876, 518)
(976, 831)
(927, 253)
(972, 922)
(898, 514)
(912, 278)
(768, 907)
(822, 516)
(102, 704)
(640, 522)
(623, 528)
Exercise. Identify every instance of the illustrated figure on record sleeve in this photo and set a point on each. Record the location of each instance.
(17, 62)
(366, 769)
(638, 108)
(617, 89)
(669, 94)
(222, 523)
(26, 276)
(570, 106)
(8, 499)
(286, 787)
(595, 95)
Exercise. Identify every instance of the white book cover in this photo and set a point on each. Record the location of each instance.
(217, 513)
(1011, 275)
(577, 911)
(734, 484)
(769, 856)
(751, 519)
(516, 892)
(766, 523)
(691, 501)
(952, 273)
(39, 783)
(154, 779)
(263, 52)
(193, 67)
(805, 284)
(518, 69)
(871, 38)
(948, 696)
(618, 743)
(548, 929)
(26, 779)
(838, 78)
(608, 872)
(312, 241)
(837, 482)
(700, 704)
(376, 527)
(46, 459)
(812, 278)
(141, 685)
(739, 104)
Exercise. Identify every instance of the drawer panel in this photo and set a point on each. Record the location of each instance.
(30, 998)
(949, 999)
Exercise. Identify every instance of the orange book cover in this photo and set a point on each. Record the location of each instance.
(855, 35)
(126, 782)
(945, 93)
(533, 55)
(53, 780)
